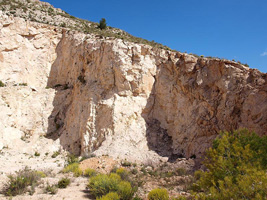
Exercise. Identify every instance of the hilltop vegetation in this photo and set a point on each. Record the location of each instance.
(42, 12)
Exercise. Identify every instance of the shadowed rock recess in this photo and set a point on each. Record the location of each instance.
(127, 100)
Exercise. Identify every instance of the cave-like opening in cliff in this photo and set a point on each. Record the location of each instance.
(159, 141)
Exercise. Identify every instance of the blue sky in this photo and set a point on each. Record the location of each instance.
(232, 29)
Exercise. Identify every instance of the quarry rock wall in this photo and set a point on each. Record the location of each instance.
(110, 96)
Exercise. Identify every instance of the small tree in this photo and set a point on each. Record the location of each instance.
(102, 24)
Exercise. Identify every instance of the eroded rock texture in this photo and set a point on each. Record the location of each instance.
(132, 101)
(130, 98)
(27, 51)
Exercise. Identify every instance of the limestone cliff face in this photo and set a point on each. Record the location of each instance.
(27, 51)
(130, 100)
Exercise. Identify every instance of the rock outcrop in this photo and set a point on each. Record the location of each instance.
(109, 96)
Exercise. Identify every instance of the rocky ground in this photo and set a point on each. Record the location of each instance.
(51, 160)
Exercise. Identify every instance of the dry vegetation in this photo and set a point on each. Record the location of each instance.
(45, 13)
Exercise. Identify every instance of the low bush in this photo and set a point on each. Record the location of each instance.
(51, 189)
(126, 163)
(19, 183)
(110, 196)
(134, 171)
(63, 183)
(72, 159)
(123, 173)
(158, 194)
(2, 84)
(125, 190)
(55, 154)
(90, 172)
(74, 168)
(36, 154)
(41, 174)
(103, 184)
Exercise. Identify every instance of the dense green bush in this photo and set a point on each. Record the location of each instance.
(102, 184)
(19, 183)
(158, 194)
(74, 168)
(110, 196)
(63, 183)
(236, 168)
(125, 190)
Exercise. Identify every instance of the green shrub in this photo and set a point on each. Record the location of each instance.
(167, 174)
(90, 172)
(103, 184)
(236, 168)
(125, 190)
(143, 169)
(124, 174)
(36, 154)
(72, 159)
(19, 183)
(2, 84)
(51, 189)
(74, 168)
(256, 143)
(110, 196)
(134, 171)
(153, 172)
(41, 174)
(158, 194)
(126, 163)
(55, 154)
(63, 183)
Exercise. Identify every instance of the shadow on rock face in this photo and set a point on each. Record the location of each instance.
(158, 139)
(61, 103)
(75, 76)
